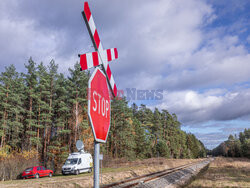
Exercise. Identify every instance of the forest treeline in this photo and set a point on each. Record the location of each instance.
(234, 146)
(46, 111)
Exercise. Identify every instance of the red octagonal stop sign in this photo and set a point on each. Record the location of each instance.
(99, 105)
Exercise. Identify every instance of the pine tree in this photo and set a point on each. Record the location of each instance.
(41, 105)
(77, 86)
(17, 117)
(162, 149)
(11, 90)
(142, 147)
(30, 119)
(43, 110)
(58, 149)
(122, 131)
(246, 143)
(50, 129)
(156, 129)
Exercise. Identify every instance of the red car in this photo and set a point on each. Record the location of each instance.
(36, 172)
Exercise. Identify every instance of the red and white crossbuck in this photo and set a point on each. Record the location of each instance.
(100, 56)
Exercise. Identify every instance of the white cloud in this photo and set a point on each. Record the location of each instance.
(190, 106)
(156, 38)
(20, 40)
(193, 107)
(171, 27)
(221, 62)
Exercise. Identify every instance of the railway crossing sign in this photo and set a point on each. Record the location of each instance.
(99, 106)
(100, 56)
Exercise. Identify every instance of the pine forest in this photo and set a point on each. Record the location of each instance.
(234, 146)
(45, 112)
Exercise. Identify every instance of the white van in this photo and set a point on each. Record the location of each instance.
(78, 162)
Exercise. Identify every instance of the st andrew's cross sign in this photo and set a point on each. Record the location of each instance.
(100, 56)
(98, 97)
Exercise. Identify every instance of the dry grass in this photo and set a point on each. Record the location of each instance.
(118, 163)
(225, 172)
(126, 170)
(12, 165)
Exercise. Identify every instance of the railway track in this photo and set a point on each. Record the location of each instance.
(134, 182)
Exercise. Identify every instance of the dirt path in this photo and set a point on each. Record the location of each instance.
(109, 175)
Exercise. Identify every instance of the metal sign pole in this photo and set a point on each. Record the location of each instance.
(101, 172)
(96, 165)
(101, 158)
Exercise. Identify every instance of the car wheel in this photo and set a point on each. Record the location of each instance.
(76, 172)
(90, 170)
(50, 174)
(37, 175)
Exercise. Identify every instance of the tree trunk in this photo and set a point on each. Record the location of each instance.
(76, 121)
(45, 145)
(76, 117)
(50, 107)
(30, 116)
(5, 115)
(4, 125)
(115, 144)
(38, 123)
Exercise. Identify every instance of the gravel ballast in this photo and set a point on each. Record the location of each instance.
(176, 179)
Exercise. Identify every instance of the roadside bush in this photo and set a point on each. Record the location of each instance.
(12, 165)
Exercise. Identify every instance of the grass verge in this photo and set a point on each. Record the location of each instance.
(224, 172)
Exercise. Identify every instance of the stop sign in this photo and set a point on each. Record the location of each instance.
(99, 106)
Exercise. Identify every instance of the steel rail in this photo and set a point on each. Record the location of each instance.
(148, 177)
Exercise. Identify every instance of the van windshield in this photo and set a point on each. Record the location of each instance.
(71, 161)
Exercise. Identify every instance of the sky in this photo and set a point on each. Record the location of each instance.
(196, 51)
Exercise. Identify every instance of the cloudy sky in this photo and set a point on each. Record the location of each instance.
(196, 51)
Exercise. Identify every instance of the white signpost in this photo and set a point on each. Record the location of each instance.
(100, 122)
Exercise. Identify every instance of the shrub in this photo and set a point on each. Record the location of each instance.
(13, 164)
